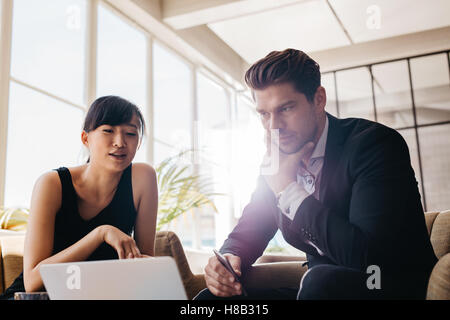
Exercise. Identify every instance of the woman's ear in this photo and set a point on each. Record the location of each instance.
(84, 138)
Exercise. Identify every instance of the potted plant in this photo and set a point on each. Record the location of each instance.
(180, 190)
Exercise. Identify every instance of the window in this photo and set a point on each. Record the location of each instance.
(122, 64)
(172, 106)
(43, 134)
(393, 94)
(214, 140)
(46, 100)
(430, 79)
(173, 96)
(48, 46)
(327, 81)
(355, 93)
(435, 150)
(247, 154)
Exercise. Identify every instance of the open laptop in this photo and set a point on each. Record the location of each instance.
(155, 278)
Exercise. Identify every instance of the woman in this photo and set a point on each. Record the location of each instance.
(89, 212)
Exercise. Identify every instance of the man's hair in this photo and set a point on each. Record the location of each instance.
(288, 66)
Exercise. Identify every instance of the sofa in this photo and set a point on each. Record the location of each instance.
(268, 271)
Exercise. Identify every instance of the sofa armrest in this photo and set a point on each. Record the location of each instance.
(439, 282)
(12, 258)
(274, 275)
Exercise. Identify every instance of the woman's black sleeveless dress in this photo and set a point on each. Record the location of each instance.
(70, 227)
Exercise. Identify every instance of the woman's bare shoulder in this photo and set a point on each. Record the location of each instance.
(143, 175)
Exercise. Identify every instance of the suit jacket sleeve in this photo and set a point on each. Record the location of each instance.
(381, 180)
(255, 228)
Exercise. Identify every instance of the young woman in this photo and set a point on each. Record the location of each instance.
(89, 212)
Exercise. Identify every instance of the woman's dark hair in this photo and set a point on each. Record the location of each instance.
(290, 65)
(113, 111)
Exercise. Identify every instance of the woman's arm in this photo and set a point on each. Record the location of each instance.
(45, 203)
(146, 188)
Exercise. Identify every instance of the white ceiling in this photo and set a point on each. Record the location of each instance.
(318, 25)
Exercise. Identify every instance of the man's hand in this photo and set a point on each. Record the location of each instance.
(288, 165)
(219, 280)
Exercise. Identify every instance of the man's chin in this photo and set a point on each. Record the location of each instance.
(290, 148)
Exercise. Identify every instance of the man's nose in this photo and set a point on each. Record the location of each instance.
(274, 122)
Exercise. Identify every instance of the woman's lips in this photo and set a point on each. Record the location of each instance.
(118, 156)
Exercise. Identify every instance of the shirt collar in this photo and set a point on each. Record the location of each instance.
(319, 150)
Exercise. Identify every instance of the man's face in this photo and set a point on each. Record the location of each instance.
(282, 107)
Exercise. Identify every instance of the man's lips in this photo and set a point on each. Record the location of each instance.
(286, 138)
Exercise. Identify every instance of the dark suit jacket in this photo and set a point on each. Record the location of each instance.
(369, 211)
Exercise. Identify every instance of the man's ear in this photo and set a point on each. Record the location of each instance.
(320, 98)
(84, 138)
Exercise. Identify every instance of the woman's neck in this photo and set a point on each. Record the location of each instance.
(97, 181)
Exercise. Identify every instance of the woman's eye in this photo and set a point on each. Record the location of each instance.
(107, 130)
(131, 134)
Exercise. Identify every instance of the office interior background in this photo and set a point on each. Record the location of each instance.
(182, 62)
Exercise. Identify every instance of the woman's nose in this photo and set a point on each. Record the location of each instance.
(119, 141)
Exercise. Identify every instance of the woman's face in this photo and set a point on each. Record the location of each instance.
(113, 147)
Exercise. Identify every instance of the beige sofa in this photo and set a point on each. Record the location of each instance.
(268, 271)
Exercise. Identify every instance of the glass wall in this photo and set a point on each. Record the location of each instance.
(411, 95)
(46, 103)
(122, 64)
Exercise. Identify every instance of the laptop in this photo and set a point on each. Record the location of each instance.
(155, 278)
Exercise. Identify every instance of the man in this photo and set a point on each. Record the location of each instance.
(344, 193)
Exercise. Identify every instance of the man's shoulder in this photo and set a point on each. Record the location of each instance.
(359, 131)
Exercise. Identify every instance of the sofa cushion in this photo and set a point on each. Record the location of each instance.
(439, 283)
(440, 234)
(429, 219)
(12, 257)
(168, 244)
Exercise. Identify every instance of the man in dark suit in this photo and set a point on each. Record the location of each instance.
(344, 192)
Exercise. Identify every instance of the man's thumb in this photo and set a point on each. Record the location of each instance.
(236, 264)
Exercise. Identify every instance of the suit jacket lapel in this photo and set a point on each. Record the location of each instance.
(333, 152)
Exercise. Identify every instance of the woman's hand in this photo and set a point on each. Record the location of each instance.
(124, 244)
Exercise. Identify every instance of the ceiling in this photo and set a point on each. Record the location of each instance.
(253, 28)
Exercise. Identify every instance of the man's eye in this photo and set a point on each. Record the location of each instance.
(107, 130)
(286, 109)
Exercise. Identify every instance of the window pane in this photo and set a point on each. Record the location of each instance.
(162, 152)
(393, 94)
(248, 152)
(355, 93)
(48, 46)
(435, 151)
(215, 145)
(43, 134)
(213, 121)
(328, 84)
(172, 98)
(430, 79)
(410, 137)
(122, 64)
